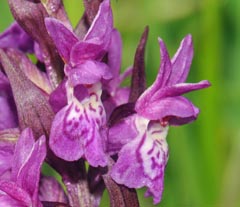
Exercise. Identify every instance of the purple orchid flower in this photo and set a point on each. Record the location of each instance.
(28, 157)
(78, 128)
(142, 136)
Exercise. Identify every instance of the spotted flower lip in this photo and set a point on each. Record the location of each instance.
(163, 99)
(142, 161)
(76, 130)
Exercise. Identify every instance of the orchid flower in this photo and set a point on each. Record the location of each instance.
(142, 136)
(78, 128)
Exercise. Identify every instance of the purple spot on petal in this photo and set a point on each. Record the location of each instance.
(100, 110)
(77, 109)
(151, 150)
(91, 108)
(154, 164)
(157, 131)
(98, 121)
(94, 94)
(139, 159)
(86, 116)
(92, 135)
(80, 118)
(76, 124)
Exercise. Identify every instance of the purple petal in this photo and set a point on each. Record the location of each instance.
(128, 170)
(179, 89)
(115, 53)
(58, 98)
(51, 190)
(94, 146)
(181, 62)
(63, 38)
(8, 118)
(29, 175)
(174, 108)
(16, 37)
(13, 195)
(22, 150)
(89, 72)
(162, 77)
(8, 201)
(121, 133)
(121, 96)
(28, 159)
(8, 139)
(67, 130)
(102, 26)
(165, 67)
(142, 161)
(82, 51)
(112, 85)
(5, 162)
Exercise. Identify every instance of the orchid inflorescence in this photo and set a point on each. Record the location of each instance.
(66, 106)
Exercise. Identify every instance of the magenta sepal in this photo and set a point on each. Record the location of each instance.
(162, 100)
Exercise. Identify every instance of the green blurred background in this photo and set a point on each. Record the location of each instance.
(203, 168)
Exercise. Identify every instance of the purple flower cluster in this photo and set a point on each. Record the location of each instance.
(68, 107)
